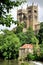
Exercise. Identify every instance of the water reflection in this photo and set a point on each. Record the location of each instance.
(15, 62)
(8, 62)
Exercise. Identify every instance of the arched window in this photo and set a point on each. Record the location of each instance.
(24, 17)
(29, 11)
(35, 11)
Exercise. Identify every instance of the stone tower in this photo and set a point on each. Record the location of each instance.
(29, 16)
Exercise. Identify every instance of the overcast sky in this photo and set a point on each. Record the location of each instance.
(29, 2)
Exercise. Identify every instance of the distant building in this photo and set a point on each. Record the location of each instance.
(25, 49)
(29, 16)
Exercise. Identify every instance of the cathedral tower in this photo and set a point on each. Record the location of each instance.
(29, 16)
(32, 12)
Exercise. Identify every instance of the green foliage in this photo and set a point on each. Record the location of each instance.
(41, 51)
(31, 38)
(41, 25)
(37, 54)
(22, 63)
(34, 57)
(10, 46)
(8, 4)
(6, 20)
(27, 37)
(40, 34)
(5, 6)
(1, 39)
(22, 36)
(19, 28)
(30, 56)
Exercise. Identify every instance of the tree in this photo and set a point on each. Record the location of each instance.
(10, 46)
(41, 25)
(7, 20)
(23, 38)
(6, 5)
(31, 38)
(1, 45)
(40, 34)
(27, 37)
(41, 51)
(19, 28)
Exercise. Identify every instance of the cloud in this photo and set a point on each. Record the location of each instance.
(39, 2)
(13, 12)
(40, 14)
(1, 32)
(11, 27)
(8, 28)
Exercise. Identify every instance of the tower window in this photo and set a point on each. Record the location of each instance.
(20, 19)
(35, 17)
(20, 14)
(35, 11)
(29, 11)
(24, 17)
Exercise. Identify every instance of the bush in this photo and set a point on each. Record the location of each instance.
(30, 56)
(33, 57)
(25, 63)
(22, 63)
(9, 45)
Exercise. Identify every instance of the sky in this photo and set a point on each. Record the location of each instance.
(13, 12)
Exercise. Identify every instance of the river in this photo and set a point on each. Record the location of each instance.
(15, 62)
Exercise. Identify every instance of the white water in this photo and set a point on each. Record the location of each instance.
(37, 63)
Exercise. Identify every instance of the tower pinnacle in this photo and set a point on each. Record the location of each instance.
(33, 4)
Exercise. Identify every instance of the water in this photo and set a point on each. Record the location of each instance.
(8, 62)
(38, 63)
(15, 62)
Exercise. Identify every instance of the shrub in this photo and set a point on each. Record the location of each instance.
(22, 63)
(30, 56)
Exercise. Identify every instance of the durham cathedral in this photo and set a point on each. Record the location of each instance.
(29, 16)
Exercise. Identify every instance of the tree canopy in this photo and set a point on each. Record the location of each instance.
(5, 6)
(27, 37)
(8, 4)
(40, 34)
(9, 45)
